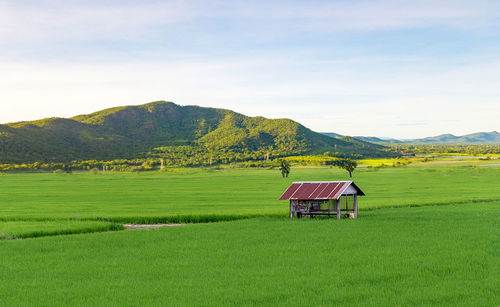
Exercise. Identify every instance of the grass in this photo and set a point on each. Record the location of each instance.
(32, 229)
(201, 196)
(440, 246)
(433, 255)
(387, 161)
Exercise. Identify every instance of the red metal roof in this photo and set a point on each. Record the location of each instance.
(318, 190)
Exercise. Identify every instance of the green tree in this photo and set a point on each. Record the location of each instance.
(347, 164)
(284, 168)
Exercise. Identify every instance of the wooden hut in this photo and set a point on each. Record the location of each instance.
(312, 198)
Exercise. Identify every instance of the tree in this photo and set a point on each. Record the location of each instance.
(284, 168)
(67, 167)
(347, 164)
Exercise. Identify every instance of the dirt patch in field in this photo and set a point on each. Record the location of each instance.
(139, 226)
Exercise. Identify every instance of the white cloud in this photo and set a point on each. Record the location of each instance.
(362, 94)
(56, 20)
(40, 22)
(458, 100)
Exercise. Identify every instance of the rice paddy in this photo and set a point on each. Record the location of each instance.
(31, 229)
(425, 236)
(199, 194)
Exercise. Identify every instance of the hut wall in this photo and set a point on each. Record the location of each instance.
(350, 190)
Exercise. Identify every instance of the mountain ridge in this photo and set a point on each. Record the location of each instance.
(133, 131)
(492, 137)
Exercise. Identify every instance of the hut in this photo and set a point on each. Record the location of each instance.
(331, 198)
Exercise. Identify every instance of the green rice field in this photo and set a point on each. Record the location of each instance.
(31, 229)
(425, 236)
(193, 193)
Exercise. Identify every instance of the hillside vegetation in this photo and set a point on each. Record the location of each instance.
(159, 128)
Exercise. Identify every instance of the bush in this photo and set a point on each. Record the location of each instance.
(94, 171)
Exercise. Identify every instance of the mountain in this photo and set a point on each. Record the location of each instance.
(440, 139)
(332, 134)
(133, 131)
(473, 138)
(369, 139)
(377, 140)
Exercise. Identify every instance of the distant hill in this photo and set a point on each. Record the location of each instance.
(376, 140)
(332, 134)
(441, 139)
(474, 138)
(133, 131)
(369, 139)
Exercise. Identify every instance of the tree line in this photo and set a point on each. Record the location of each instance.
(426, 149)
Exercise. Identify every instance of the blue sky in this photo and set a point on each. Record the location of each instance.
(384, 68)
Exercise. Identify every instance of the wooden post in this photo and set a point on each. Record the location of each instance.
(355, 205)
(291, 210)
(338, 208)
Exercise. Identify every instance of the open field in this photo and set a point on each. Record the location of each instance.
(433, 255)
(443, 160)
(197, 194)
(31, 229)
(491, 155)
(425, 236)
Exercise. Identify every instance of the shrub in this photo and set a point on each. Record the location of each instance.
(94, 171)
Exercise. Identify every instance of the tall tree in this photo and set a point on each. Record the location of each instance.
(347, 164)
(284, 168)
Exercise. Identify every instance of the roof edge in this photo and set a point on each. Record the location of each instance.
(359, 192)
(320, 181)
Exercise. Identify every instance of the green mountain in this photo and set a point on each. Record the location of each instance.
(369, 139)
(332, 134)
(376, 140)
(440, 139)
(473, 138)
(492, 137)
(135, 131)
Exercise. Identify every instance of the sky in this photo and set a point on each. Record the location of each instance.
(402, 69)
